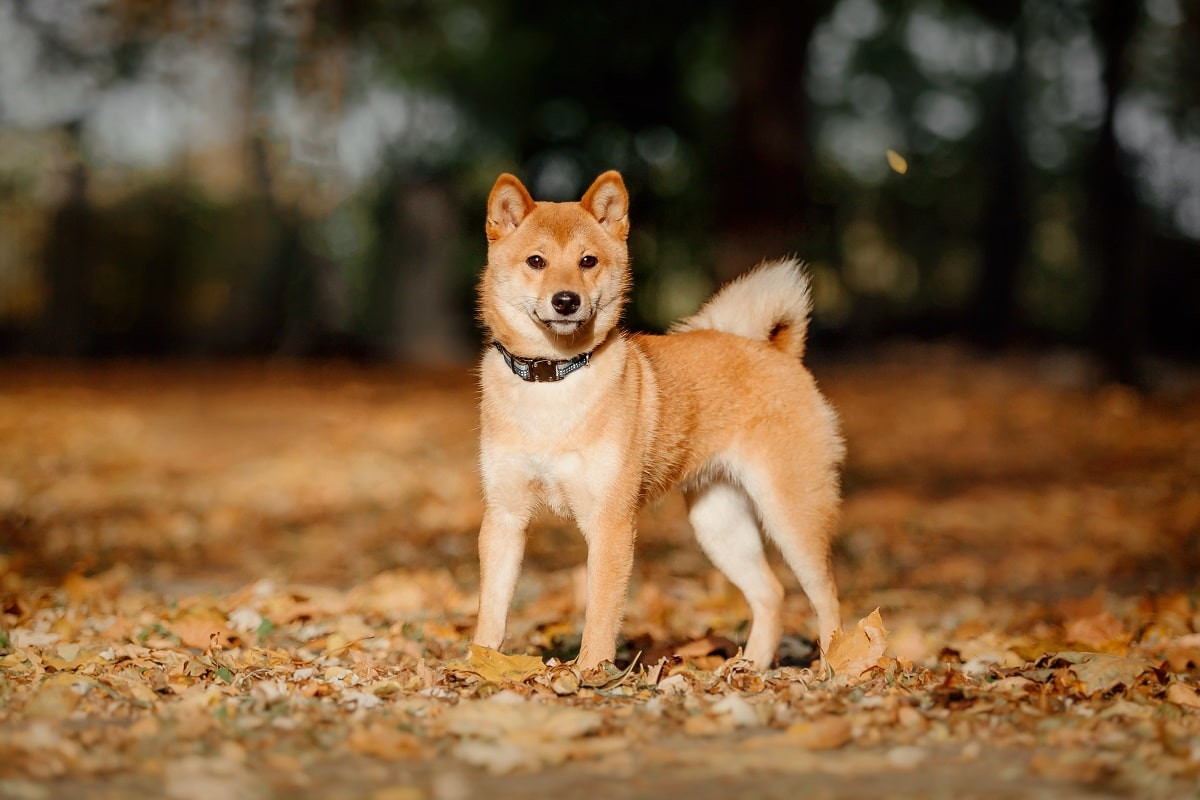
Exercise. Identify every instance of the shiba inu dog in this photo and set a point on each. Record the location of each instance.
(580, 416)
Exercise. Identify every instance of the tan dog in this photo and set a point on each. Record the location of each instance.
(593, 422)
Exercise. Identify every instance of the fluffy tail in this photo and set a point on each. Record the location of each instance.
(770, 302)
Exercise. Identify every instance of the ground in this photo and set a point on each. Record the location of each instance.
(258, 580)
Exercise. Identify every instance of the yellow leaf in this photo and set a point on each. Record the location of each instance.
(853, 654)
(492, 666)
(897, 162)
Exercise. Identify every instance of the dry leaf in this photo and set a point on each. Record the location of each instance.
(197, 631)
(1183, 695)
(492, 666)
(1102, 672)
(897, 162)
(564, 679)
(851, 655)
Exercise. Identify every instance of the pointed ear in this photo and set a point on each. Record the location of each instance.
(508, 204)
(608, 202)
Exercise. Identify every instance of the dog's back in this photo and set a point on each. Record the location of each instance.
(729, 380)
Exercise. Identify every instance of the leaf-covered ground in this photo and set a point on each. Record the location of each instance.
(242, 582)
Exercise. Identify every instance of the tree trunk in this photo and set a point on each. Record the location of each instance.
(1113, 211)
(66, 323)
(1005, 223)
(764, 185)
(413, 305)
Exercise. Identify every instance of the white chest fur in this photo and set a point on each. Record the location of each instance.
(548, 442)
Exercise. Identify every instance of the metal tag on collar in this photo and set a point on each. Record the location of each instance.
(543, 370)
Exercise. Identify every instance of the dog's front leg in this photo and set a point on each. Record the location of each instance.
(610, 561)
(501, 548)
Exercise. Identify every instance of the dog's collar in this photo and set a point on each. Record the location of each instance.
(542, 370)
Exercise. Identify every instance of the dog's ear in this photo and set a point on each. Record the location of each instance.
(508, 204)
(608, 202)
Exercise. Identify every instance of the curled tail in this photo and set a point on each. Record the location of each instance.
(770, 302)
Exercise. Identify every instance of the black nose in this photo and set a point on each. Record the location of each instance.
(565, 303)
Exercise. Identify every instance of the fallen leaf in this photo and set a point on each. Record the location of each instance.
(853, 654)
(564, 679)
(1101, 672)
(492, 666)
(1183, 695)
(197, 631)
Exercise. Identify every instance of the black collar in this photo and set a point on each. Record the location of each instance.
(542, 370)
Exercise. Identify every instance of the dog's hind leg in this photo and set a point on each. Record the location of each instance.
(800, 519)
(727, 529)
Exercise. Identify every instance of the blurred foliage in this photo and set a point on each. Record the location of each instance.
(246, 176)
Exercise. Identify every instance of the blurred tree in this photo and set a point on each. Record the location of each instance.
(1113, 212)
(67, 321)
(1004, 223)
(763, 191)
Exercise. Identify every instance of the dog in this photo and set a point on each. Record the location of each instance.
(580, 416)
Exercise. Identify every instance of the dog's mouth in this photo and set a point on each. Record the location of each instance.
(563, 326)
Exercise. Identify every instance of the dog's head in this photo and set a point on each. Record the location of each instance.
(557, 273)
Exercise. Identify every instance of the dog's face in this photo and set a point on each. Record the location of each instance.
(557, 273)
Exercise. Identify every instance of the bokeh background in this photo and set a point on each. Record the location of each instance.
(307, 177)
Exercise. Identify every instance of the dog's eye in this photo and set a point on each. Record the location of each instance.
(587, 262)
(537, 262)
